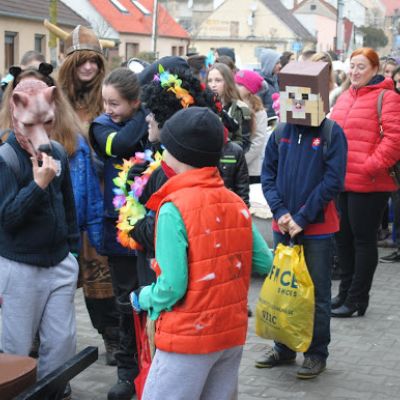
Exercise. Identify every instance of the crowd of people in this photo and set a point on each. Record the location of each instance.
(187, 259)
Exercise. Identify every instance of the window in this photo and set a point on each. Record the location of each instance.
(119, 6)
(234, 28)
(141, 7)
(131, 50)
(174, 51)
(313, 7)
(181, 51)
(10, 48)
(39, 43)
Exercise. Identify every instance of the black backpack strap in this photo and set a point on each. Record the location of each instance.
(326, 135)
(278, 132)
(8, 154)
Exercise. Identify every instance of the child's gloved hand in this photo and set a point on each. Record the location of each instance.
(137, 170)
(134, 298)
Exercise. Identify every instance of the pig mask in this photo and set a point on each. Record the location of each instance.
(33, 112)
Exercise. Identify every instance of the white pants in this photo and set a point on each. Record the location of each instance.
(211, 376)
(39, 299)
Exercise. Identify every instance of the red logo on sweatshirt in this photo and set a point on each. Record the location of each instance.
(316, 143)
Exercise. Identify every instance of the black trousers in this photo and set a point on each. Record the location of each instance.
(125, 280)
(396, 216)
(361, 216)
(103, 313)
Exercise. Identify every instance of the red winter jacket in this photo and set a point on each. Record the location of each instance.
(369, 157)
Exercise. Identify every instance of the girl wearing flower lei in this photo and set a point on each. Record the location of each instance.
(169, 92)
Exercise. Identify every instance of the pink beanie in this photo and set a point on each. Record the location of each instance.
(249, 79)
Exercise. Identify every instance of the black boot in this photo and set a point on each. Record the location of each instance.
(111, 343)
(347, 311)
(122, 390)
(337, 301)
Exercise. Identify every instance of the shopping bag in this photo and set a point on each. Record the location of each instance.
(143, 350)
(285, 308)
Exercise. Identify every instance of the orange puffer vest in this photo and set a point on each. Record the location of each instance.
(212, 316)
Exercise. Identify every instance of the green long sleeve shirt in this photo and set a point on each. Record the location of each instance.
(171, 253)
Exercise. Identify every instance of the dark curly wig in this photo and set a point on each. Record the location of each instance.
(163, 103)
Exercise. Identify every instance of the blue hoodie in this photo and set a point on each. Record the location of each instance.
(87, 193)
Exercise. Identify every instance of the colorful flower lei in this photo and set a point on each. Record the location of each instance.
(127, 193)
(174, 84)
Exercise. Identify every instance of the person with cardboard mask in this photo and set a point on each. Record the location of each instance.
(302, 174)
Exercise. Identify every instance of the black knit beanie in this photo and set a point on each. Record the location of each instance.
(194, 136)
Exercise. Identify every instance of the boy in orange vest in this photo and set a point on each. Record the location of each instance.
(206, 246)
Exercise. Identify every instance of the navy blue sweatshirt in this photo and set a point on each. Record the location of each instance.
(37, 226)
(297, 177)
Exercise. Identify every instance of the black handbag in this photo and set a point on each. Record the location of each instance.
(394, 171)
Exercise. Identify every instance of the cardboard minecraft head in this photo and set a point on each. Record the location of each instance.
(304, 92)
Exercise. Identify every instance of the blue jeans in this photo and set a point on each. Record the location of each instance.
(318, 254)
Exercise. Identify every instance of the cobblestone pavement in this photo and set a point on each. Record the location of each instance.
(364, 362)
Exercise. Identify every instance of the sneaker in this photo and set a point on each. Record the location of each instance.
(391, 258)
(311, 368)
(271, 358)
(122, 390)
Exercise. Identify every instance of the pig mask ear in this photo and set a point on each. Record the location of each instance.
(50, 94)
(19, 98)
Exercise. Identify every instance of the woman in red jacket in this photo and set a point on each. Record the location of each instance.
(367, 182)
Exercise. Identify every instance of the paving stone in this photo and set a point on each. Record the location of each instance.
(363, 363)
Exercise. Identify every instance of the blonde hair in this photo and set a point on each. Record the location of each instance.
(255, 104)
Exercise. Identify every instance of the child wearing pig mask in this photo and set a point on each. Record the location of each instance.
(38, 234)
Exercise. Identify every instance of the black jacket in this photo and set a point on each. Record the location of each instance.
(37, 226)
(233, 169)
(144, 229)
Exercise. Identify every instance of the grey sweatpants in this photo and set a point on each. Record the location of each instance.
(211, 376)
(39, 299)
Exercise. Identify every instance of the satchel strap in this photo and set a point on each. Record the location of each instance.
(8, 154)
(379, 108)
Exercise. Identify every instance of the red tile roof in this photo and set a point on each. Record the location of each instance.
(136, 22)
